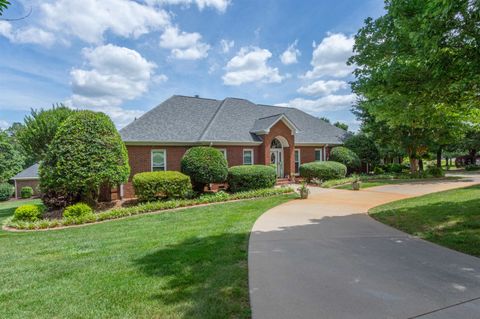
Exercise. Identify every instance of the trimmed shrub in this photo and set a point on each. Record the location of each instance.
(378, 170)
(435, 171)
(150, 186)
(6, 191)
(86, 153)
(247, 177)
(204, 165)
(26, 192)
(29, 213)
(345, 156)
(78, 210)
(323, 170)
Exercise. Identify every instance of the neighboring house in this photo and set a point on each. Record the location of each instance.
(27, 177)
(246, 133)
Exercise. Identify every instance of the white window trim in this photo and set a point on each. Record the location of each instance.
(243, 156)
(322, 153)
(299, 160)
(164, 158)
(224, 150)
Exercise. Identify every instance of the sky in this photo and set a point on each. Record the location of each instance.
(124, 57)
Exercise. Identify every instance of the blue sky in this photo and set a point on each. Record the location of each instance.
(124, 57)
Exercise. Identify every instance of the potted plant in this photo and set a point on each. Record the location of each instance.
(304, 191)
(356, 183)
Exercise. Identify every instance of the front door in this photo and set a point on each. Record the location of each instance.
(276, 158)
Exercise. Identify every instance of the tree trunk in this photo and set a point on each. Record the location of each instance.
(413, 164)
(420, 165)
(439, 157)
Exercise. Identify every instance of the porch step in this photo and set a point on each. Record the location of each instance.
(282, 181)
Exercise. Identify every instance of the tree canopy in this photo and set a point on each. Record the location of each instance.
(11, 160)
(3, 5)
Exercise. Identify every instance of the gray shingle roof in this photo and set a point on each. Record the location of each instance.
(200, 120)
(30, 172)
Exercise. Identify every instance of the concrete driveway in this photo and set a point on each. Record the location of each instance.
(325, 258)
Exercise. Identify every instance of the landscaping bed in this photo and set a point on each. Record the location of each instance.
(450, 218)
(148, 207)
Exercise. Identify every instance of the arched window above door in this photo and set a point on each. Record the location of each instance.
(275, 143)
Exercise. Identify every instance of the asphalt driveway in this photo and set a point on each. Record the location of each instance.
(325, 258)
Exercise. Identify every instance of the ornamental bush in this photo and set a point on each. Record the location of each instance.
(204, 165)
(150, 186)
(435, 171)
(248, 177)
(323, 170)
(472, 167)
(26, 192)
(345, 156)
(394, 168)
(86, 152)
(78, 210)
(6, 191)
(29, 213)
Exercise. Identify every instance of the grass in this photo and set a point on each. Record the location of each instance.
(381, 182)
(450, 218)
(190, 263)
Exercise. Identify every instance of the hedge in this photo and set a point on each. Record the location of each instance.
(26, 192)
(204, 165)
(150, 186)
(247, 177)
(146, 208)
(323, 170)
(6, 191)
(345, 156)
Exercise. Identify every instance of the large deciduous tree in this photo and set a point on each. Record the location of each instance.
(86, 153)
(11, 161)
(40, 128)
(402, 77)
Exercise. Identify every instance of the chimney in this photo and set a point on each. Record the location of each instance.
(197, 96)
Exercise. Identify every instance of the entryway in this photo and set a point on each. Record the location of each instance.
(276, 156)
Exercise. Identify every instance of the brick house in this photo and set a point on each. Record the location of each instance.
(246, 133)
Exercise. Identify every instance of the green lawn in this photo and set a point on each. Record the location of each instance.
(183, 264)
(7, 208)
(381, 182)
(450, 218)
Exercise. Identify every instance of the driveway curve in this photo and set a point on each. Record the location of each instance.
(324, 258)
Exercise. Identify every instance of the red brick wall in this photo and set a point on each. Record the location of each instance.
(307, 153)
(140, 159)
(33, 183)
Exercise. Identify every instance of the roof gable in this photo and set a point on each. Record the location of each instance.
(264, 124)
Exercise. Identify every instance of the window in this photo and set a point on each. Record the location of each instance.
(159, 160)
(247, 157)
(223, 151)
(297, 161)
(275, 144)
(319, 154)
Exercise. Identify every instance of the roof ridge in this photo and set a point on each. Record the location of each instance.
(195, 97)
(266, 117)
(212, 119)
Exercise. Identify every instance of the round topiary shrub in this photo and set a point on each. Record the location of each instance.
(204, 165)
(248, 177)
(323, 170)
(345, 156)
(30, 213)
(150, 186)
(26, 192)
(6, 191)
(86, 153)
(77, 211)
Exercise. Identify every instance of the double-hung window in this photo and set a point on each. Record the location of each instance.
(247, 157)
(297, 161)
(159, 160)
(319, 154)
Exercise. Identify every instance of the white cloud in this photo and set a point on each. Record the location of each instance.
(330, 56)
(289, 56)
(4, 125)
(250, 65)
(115, 74)
(184, 45)
(321, 87)
(226, 45)
(26, 35)
(89, 20)
(326, 103)
(220, 5)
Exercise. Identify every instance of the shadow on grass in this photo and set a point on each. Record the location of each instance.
(205, 277)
